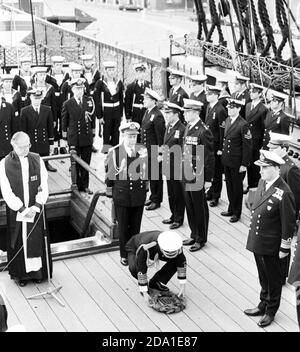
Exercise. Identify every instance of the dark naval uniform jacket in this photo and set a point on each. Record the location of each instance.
(15, 100)
(177, 96)
(127, 176)
(277, 122)
(153, 129)
(290, 173)
(199, 134)
(91, 78)
(202, 98)
(244, 96)
(78, 122)
(255, 118)
(39, 127)
(172, 164)
(273, 219)
(20, 84)
(134, 107)
(237, 145)
(146, 249)
(8, 126)
(215, 121)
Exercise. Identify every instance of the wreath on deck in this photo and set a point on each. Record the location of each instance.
(166, 302)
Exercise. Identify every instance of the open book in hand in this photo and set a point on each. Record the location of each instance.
(25, 216)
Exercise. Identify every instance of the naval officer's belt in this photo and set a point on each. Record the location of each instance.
(111, 105)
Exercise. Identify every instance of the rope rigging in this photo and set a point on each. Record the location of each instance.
(215, 18)
(201, 19)
(258, 40)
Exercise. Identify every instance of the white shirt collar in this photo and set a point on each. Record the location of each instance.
(269, 184)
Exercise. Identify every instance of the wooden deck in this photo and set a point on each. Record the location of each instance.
(100, 294)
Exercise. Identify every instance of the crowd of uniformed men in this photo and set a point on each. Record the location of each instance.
(58, 108)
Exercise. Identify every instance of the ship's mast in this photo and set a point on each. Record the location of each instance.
(33, 33)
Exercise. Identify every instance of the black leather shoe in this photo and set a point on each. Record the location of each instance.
(148, 202)
(22, 283)
(188, 242)
(156, 285)
(37, 281)
(63, 150)
(254, 312)
(55, 151)
(196, 247)
(124, 261)
(226, 213)
(234, 218)
(167, 221)
(175, 225)
(214, 203)
(94, 150)
(266, 320)
(50, 168)
(88, 191)
(245, 191)
(208, 196)
(153, 206)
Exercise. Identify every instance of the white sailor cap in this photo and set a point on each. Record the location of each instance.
(175, 73)
(152, 94)
(57, 58)
(279, 139)
(75, 67)
(130, 127)
(268, 158)
(109, 64)
(213, 89)
(87, 57)
(168, 106)
(240, 78)
(190, 104)
(169, 241)
(278, 96)
(198, 78)
(235, 103)
(6, 77)
(39, 69)
(25, 59)
(141, 66)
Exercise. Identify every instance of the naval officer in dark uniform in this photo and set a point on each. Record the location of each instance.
(215, 119)
(276, 120)
(148, 248)
(172, 160)
(134, 107)
(290, 173)
(37, 122)
(236, 156)
(78, 128)
(196, 177)
(152, 136)
(126, 172)
(270, 235)
(256, 112)
(241, 92)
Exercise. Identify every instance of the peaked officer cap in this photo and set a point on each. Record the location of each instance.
(77, 82)
(190, 104)
(256, 87)
(235, 103)
(268, 158)
(168, 106)
(35, 92)
(130, 127)
(141, 66)
(278, 96)
(152, 94)
(279, 139)
(240, 78)
(213, 89)
(176, 73)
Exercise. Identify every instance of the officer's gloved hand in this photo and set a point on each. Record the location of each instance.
(109, 192)
(63, 147)
(51, 151)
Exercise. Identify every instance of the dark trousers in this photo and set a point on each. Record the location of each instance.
(112, 120)
(176, 200)
(253, 171)
(216, 187)
(298, 304)
(163, 275)
(129, 223)
(270, 280)
(82, 175)
(156, 181)
(234, 185)
(197, 214)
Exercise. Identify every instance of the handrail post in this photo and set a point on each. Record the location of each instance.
(73, 169)
(114, 225)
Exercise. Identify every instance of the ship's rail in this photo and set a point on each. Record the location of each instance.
(53, 40)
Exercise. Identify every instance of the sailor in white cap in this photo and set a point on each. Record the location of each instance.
(172, 163)
(197, 84)
(215, 119)
(255, 115)
(126, 171)
(146, 249)
(152, 136)
(90, 72)
(37, 122)
(198, 172)
(270, 235)
(236, 156)
(22, 80)
(109, 102)
(134, 107)
(10, 95)
(75, 73)
(177, 93)
(241, 92)
(276, 120)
